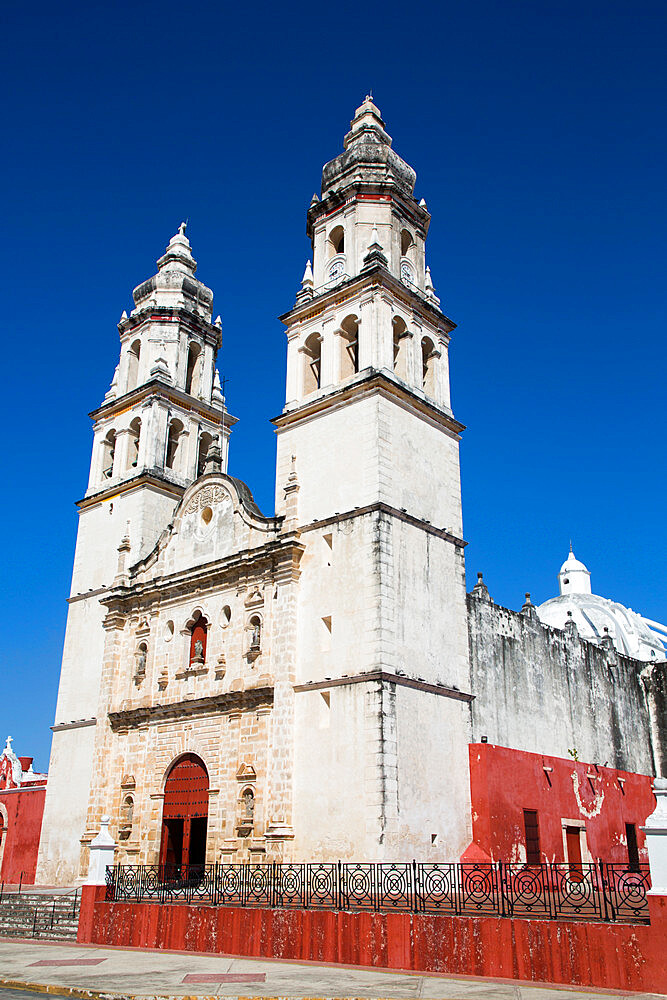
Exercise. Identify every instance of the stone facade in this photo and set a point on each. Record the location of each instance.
(321, 665)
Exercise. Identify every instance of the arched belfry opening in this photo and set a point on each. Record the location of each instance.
(185, 813)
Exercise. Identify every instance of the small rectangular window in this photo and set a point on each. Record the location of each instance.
(633, 849)
(533, 855)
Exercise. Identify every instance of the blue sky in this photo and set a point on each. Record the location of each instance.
(538, 136)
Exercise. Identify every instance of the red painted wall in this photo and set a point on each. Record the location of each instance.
(25, 807)
(504, 782)
(609, 956)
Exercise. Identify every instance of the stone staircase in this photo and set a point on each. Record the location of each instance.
(52, 916)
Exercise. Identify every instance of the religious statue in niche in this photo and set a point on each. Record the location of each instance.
(199, 650)
(140, 662)
(248, 804)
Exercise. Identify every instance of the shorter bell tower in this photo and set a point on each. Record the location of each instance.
(162, 414)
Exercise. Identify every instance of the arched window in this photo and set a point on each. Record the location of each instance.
(185, 815)
(172, 459)
(406, 242)
(336, 254)
(204, 444)
(336, 241)
(349, 344)
(133, 365)
(428, 365)
(401, 342)
(198, 632)
(108, 452)
(193, 369)
(133, 446)
(312, 362)
(408, 273)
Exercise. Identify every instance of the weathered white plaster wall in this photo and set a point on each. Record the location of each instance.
(547, 691)
(433, 791)
(70, 774)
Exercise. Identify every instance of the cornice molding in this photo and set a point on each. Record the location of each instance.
(281, 556)
(385, 677)
(376, 381)
(162, 390)
(219, 704)
(149, 477)
(376, 276)
(385, 508)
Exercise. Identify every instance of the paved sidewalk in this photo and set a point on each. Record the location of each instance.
(118, 972)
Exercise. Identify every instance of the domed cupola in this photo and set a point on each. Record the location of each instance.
(574, 577)
(368, 157)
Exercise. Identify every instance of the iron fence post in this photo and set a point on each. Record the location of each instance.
(34, 924)
(500, 888)
(415, 900)
(339, 886)
(609, 912)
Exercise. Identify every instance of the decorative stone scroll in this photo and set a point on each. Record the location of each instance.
(207, 496)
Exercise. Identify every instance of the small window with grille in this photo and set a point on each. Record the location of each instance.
(532, 830)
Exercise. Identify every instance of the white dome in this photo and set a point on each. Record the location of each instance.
(573, 565)
(596, 616)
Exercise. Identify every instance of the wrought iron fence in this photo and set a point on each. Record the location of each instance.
(600, 892)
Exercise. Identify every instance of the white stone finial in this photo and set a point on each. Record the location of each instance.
(307, 280)
(218, 320)
(123, 315)
(8, 744)
(102, 850)
(374, 236)
(183, 226)
(428, 287)
(422, 204)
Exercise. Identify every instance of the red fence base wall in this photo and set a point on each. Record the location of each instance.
(611, 956)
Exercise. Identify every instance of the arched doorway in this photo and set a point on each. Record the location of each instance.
(185, 813)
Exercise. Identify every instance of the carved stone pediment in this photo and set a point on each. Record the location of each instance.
(255, 599)
(246, 772)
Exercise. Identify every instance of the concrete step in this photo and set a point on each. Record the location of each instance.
(17, 916)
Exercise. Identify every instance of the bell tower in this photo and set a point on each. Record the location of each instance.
(382, 675)
(367, 410)
(161, 415)
(164, 407)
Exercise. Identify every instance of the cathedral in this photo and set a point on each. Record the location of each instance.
(316, 684)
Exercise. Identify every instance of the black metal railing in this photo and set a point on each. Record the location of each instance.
(560, 891)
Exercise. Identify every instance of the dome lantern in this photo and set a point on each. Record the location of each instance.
(574, 577)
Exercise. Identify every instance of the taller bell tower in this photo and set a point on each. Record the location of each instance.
(152, 433)
(367, 331)
(381, 704)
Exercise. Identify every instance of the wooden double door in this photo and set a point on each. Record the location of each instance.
(185, 813)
